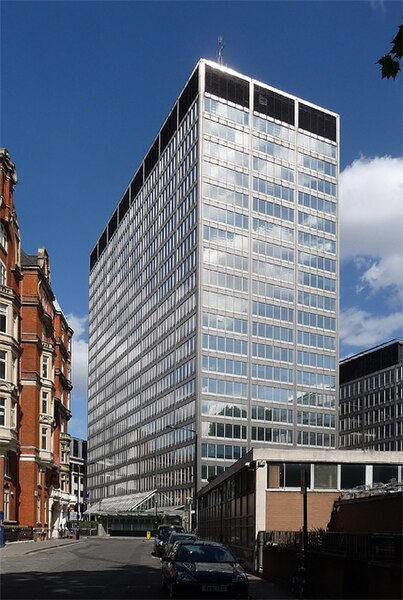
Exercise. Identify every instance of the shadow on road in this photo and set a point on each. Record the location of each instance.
(138, 581)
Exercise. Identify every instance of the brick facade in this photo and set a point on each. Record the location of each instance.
(10, 276)
(284, 510)
(45, 401)
(35, 380)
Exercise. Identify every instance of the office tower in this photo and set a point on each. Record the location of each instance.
(371, 398)
(214, 292)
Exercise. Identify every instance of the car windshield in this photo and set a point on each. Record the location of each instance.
(174, 537)
(204, 553)
(165, 533)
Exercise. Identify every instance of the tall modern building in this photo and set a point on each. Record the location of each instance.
(371, 398)
(214, 292)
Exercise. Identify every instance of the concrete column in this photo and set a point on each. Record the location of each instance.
(260, 499)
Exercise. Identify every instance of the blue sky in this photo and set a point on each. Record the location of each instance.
(85, 87)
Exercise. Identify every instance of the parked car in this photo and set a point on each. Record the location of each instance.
(162, 535)
(201, 568)
(176, 537)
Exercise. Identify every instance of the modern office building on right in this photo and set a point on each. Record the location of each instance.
(371, 398)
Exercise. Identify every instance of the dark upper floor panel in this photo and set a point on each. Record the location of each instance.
(316, 121)
(227, 86)
(371, 362)
(274, 105)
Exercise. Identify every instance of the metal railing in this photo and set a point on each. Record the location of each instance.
(359, 545)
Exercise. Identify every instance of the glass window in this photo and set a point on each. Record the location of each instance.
(3, 358)
(325, 476)
(2, 273)
(3, 318)
(6, 498)
(43, 438)
(3, 236)
(384, 473)
(2, 412)
(44, 402)
(293, 474)
(352, 476)
(45, 366)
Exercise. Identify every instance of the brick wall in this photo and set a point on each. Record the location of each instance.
(284, 510)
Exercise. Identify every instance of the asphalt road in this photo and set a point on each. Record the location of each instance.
(94, 568)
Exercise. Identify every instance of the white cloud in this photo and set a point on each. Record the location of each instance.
(361, 328)
(371, 221)
(79, 367)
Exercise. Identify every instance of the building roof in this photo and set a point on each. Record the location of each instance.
(371, 361)
(268, 454)
(132, 505)
(29, 260)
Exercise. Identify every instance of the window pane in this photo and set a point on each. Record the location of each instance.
(293, 474)
(384, 473)
(352, 475)
(325, 476)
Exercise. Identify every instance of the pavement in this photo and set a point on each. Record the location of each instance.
(259, 588)
(29, 546)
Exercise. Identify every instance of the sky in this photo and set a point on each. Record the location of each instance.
(86, 86)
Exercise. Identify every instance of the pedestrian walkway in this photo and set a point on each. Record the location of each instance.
(27, 547)
(262, 589)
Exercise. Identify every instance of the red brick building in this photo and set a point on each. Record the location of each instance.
(44, 401)
(35, 380)
(10, 277)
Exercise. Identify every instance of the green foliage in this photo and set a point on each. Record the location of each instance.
(88, 524)
(390, 63)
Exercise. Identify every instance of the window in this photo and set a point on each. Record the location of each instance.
(2, 273)
(38, 509)
(43, 438)
(325, 476)
(292, 477)
(45, 367)
(13, 416)
(352, 476)
(2, 412)
(3, 318)
(3, 359)
(384, 473)
(6, 503)
(3, 236)
(44, 402)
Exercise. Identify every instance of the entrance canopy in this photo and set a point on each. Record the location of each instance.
(139, 504)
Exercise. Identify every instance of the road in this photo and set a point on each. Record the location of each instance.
(95, 568)
(92, 568)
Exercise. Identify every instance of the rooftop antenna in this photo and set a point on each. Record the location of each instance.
(220, 48)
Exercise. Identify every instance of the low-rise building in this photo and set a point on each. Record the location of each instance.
(261, 492)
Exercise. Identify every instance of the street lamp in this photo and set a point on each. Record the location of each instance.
(176, 427)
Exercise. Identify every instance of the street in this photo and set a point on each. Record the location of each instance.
(95, 568)
(91, 568)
